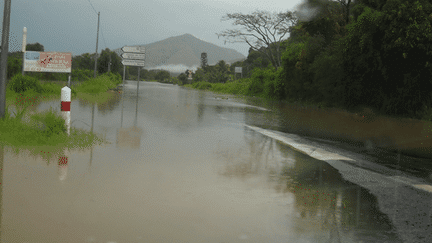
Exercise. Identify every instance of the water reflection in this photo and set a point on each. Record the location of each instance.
(203, 176)
(328, 208)
(131, 136)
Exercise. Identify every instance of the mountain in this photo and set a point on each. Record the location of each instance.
(185, 50)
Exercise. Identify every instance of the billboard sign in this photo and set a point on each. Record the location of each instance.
(56, 62)
(238, 69)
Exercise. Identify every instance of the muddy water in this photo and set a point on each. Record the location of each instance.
(182, 167)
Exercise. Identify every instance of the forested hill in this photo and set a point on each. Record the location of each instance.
(186, 50)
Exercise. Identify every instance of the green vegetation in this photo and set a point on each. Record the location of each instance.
(375, 57)
(45, 132)
(373, 62)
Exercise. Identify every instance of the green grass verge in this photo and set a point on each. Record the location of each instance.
(45, 132)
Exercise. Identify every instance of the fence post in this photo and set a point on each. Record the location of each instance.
(65, 106)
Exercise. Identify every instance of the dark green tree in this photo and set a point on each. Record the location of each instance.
(183, 78)
(14, 64)
(104, 60)
(144, 74)
(35, 47)
(198, 75)
(387, 56)
(163, 76)
(83, 61)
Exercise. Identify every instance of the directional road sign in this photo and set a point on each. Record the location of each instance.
(135, 49)
(136, 56)
(139, 63)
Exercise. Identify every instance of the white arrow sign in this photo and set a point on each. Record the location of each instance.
(139, 63)
(136, 56)
(136, 49)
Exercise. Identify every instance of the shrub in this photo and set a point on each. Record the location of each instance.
(113, 77)
(257, 82)
(50, 123)
(20, 84)
(81, 74)
(50, 88)
(274, 87)
(202, 85)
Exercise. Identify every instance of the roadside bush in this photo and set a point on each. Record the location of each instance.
(202, 85)
(274, 87)
(14, 64)
(81, 74)
(113, 77)
(20, 84)
(257, 82)
(49, 122)
(218, 87)
(50, 88)
(97, 85)
(182, 78)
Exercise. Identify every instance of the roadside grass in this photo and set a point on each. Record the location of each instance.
(45, 132)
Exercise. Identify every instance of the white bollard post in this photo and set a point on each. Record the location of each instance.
(65, 106)
(63, 165)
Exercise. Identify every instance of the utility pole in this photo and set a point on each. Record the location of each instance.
(97, 39)
(4, 56)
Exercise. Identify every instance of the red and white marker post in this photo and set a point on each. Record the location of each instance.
(65, 110)
(65, 106)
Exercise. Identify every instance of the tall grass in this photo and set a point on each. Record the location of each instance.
(46, 130)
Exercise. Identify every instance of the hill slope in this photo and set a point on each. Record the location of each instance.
(185, 51)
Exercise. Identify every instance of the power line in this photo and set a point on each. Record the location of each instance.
(100, 26)
(103, 37)
(92, 6)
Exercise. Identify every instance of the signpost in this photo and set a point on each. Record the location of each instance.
(190, 75)
(132, 56)
(139, 63)
(56, 62)
(24, 47)
(133, 49)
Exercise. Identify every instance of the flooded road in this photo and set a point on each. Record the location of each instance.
(191, 166)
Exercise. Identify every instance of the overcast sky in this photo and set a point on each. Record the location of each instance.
(71, 25)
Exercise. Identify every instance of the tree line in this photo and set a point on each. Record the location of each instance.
(369, 53)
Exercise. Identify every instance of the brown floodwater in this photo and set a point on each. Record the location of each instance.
(181, 166)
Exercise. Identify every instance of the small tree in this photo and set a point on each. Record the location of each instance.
(163, 75)
(35, 47)
(183, 78)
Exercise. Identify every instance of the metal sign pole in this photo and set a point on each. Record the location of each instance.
(24, 47)
(123, 89)
(139, 68)
(97, 40)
